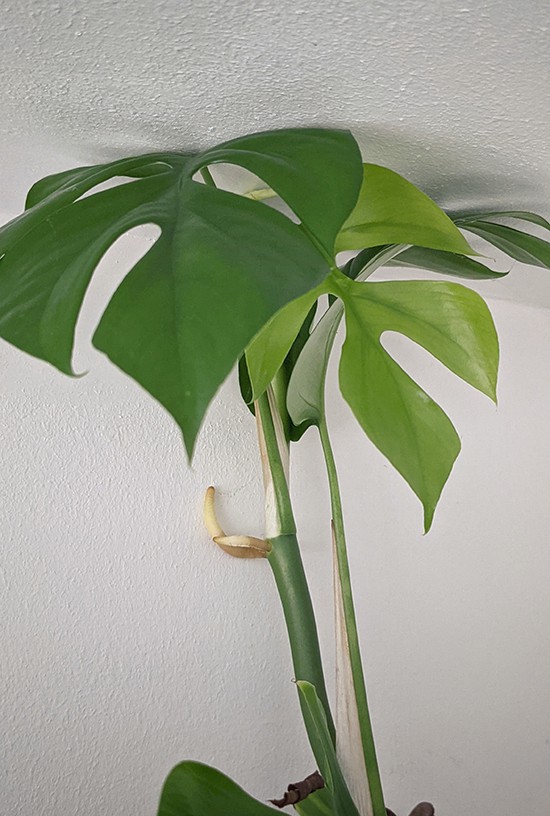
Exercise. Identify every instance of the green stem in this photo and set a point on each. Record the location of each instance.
(266, 415)
(365, 727)
(286, 563)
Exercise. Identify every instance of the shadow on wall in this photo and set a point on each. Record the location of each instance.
(460, 176)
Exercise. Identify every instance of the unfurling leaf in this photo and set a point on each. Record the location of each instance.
(451, 322)
(343, 804)
(306, 389)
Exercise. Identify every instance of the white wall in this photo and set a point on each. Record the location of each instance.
(130, 642)
(450, 93)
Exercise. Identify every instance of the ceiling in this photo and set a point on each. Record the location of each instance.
(454, 95)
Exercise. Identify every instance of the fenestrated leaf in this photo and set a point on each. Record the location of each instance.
(517, 215)
(221, 268)
(451, 322)
(193, 789)
(232, 264)
(55, 192)
(391, 210)
(44, 276)
(445, 263)
(81, 179)
(317, 172)
(519, 245)
(328, 763)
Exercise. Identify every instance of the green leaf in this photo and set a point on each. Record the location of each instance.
(45, 274)
(269, 348)
(391, 210)
(193, 789)
(451, 322)
(328, 763)
(445, 263)
(282, 376)
(519, 245)
(222, 267)
(213, 279)
(306, 388)
(81, 179)
(64, 188)
(519, 215)
(296, 432)
(320, 803)
(317, 172)
(355, 266)
(245, 385)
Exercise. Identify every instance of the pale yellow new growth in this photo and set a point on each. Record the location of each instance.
(239, 546)
(209, 514)
(242, 546)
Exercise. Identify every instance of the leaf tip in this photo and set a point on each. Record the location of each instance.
(429, 512)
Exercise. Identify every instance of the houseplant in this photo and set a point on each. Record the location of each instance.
(233, 279)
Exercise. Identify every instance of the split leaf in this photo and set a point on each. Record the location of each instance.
(182, 316)
(451, 322)
(221, 268)
(316, 171)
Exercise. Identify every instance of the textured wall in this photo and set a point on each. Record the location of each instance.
(128, 641)
(452, 92)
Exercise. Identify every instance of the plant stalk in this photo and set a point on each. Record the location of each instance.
(286, 563)
(365, 727)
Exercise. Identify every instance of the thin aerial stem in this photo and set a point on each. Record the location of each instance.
(343, 572)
